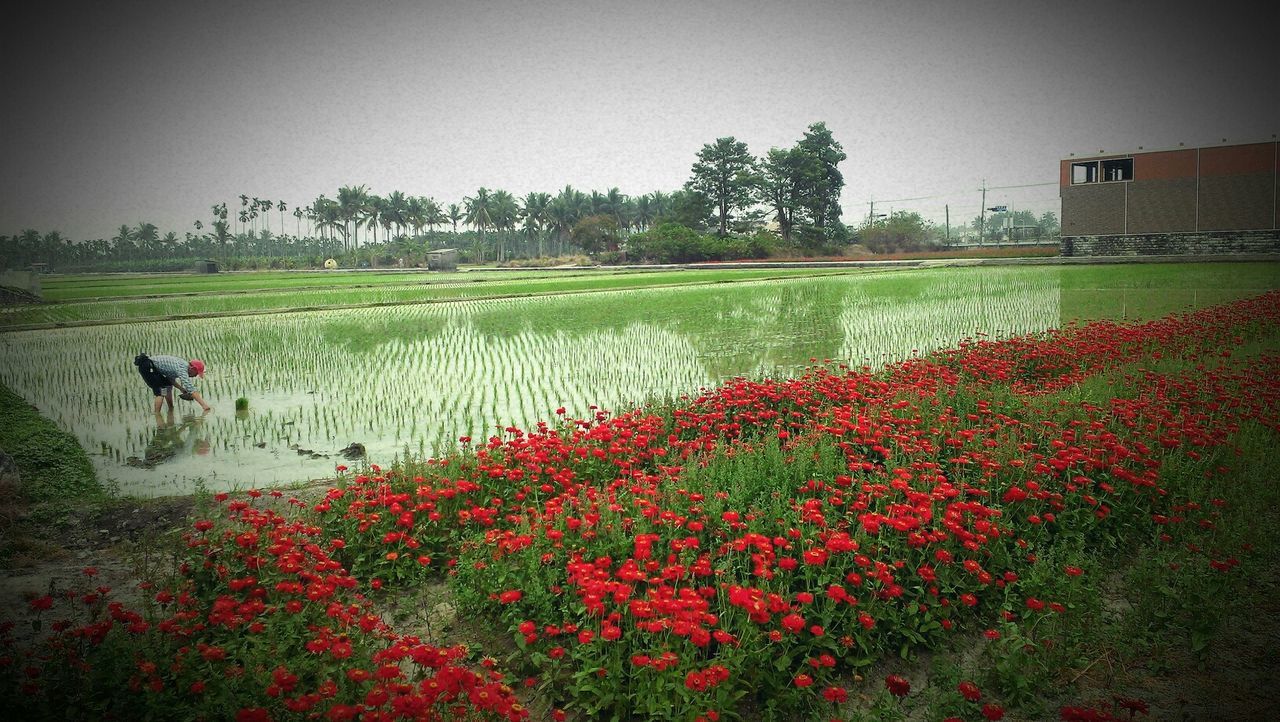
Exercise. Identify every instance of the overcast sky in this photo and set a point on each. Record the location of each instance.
(122, 113)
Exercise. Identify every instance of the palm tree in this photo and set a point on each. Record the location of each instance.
(221, 235)
(644, 207)
(613, 205)
(479, 215)
(504, 212)
(170, 243)
(597, 202)
(534, 212)
(561, 215)
(627, 214)
(415, 213)
(397, 210)
(329, 217)
(147, 236)
(435, 215)
(352, 204)
(455, 215)
(374, 209)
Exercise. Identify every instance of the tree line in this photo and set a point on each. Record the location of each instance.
(734, 203)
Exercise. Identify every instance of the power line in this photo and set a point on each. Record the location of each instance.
(1027, 185)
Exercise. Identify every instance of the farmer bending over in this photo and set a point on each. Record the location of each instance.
(163, 373)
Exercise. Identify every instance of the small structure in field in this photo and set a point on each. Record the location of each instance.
(206, 266)
(330, 264)
(442, 259)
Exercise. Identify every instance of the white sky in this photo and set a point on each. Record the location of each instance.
(120, 113)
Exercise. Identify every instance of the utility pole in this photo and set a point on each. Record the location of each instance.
(947, 208)
(982, 217)
(871, 214)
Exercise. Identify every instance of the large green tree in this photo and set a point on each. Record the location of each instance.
(819, 175)
(779, 186)
(725, 173)
(597, 233)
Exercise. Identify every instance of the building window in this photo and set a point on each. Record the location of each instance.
(1093, 171)
(1119, 169)
(1084, 172)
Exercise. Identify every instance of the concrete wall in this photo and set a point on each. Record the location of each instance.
(1093, 208)
(1203, 243)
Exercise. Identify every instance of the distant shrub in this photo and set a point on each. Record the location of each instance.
(674, 243)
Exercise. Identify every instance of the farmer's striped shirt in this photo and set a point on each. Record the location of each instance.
(174, 368)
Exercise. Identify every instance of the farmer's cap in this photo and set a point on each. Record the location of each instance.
(196, 365)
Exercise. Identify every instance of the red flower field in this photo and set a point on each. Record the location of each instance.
(766, 547)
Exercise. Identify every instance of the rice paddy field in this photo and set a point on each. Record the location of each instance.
(415, 377)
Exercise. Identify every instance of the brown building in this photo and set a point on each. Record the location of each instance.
(1205, 191)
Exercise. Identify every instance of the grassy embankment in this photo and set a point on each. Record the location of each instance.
(53, 474)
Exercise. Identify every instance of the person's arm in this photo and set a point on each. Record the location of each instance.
(189, 389)
(200, 400)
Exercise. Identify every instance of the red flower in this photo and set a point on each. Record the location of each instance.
(992, 711)
(835, 695)
(969, 691)
(897, 686)
(803, 680)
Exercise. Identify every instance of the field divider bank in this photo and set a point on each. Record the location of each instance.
(75, 323)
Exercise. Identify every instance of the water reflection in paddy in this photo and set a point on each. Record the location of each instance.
(417, 377)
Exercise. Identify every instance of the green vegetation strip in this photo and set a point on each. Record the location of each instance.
(51, 464)
(97, 287)
(179, 306)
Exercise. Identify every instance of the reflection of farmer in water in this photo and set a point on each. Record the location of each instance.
(171, 440)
